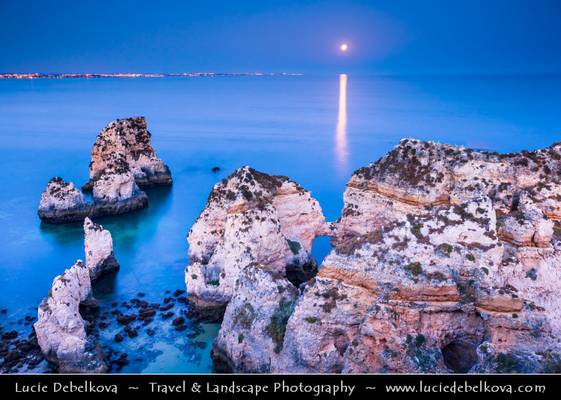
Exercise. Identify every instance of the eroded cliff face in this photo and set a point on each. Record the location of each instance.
(252, 333)
(130, 138)
(251, 217)
(444, 259)
(62, 332)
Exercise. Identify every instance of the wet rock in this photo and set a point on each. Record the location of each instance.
(215, 169)
(118, 338)
(178, 321)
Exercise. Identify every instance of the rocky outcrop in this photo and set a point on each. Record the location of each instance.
(114, 194)
(419, 174)
(444, 259)
(251, 217)
(98, 245)
(254, 326)
(130, 139)
(122, 159)
(63, 333)
(62, 202)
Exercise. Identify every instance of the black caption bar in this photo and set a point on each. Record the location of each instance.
(280, 386)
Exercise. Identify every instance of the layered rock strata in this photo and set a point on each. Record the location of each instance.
(98, 246)
(63, 333)
(130, 138)
(250, 218)
(444, 259)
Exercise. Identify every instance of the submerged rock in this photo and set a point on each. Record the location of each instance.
(62, 332)
(98, 245)
(131, 139)
(250, 217)
(444, 259)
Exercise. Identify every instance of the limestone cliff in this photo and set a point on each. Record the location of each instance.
(444, 259)
(131, 139)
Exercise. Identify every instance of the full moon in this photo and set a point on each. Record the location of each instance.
(344, 47)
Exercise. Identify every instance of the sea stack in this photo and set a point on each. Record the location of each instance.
(63, 333)
(62, 202)
(98, 245)
(250, 218)
(130, 138)
(122, 161)
(445, 259)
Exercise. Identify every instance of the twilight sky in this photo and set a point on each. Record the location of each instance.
(385, 36)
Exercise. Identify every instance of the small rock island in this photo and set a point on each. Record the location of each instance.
(123, 161)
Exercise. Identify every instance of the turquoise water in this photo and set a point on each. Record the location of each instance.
(313, 129)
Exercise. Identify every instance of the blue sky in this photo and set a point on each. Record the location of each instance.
(393, 36)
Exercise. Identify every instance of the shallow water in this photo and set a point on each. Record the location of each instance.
(314, 129)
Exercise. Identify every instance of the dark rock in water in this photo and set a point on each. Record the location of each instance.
(9, 335)
(4, 311)
(103, 325)
(98, 246)
(141, 294)
(65, 326)
(150, 332)
(146, 314)
(125, 319)
(131, 332)
(116, 193)
(182, 299)
(167, 315)
(215, 169)
(167, 300)
(147, 321)
(178, 321)
(118, 338)
(180, 328)
(166, 307)
(178, 292)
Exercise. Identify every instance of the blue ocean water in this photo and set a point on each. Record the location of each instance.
(314, 129)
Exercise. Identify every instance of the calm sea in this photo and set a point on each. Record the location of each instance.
(314, 129)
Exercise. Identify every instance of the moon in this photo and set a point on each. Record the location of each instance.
(344, 47)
